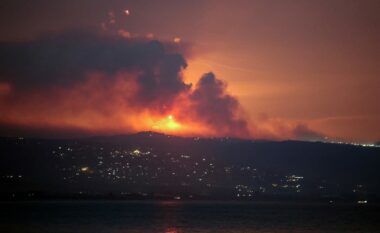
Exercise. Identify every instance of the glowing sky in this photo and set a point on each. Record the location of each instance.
(300, 69)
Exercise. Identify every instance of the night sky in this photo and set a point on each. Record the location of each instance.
(305, 70)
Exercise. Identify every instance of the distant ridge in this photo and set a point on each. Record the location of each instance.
(156, 135)
(151, 162)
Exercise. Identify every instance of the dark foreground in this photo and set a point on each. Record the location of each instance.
(186, 217)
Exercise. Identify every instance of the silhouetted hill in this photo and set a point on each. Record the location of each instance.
(157, 164)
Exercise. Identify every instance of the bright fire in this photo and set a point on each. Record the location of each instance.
(167, 124)
(91, 107)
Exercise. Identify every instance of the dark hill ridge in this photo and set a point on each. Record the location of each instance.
(155, 164)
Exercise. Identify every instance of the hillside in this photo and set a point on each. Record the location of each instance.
(157, 165)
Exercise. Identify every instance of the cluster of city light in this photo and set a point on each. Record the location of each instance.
(146, 166)
(328, 140)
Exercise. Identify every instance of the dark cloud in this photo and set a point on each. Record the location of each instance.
(216, 108)
(66, 58)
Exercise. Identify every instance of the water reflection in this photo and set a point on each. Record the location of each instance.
(185, 217)
(171, 212)
(172, 231)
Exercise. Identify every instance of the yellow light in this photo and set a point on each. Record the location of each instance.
(167, 124)
(173, 125)
(136, 152)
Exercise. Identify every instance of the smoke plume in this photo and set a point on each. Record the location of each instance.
(97, 83)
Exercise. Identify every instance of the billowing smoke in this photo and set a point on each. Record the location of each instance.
(109, 84)
(67, 58)
(216, 108)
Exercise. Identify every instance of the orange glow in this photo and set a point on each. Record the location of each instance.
(294, 63)
(167, 124)
(96, 107)
(171, 231)
(104, 105)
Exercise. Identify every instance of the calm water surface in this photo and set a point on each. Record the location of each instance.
(185, 217)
